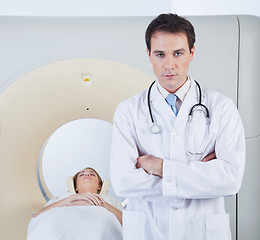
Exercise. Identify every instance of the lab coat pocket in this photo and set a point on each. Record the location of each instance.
(196, 229)
(217, 227)
(133, 225)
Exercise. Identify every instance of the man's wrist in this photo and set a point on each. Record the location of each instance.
(159, 168)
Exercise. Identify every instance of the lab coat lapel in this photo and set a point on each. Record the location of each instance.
(158, 103)
(190, 100)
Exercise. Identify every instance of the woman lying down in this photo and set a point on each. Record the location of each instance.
(84, 215)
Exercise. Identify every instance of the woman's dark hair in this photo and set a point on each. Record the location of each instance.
(170, 23)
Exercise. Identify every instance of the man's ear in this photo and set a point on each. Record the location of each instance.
(148, 52)
(192, 51)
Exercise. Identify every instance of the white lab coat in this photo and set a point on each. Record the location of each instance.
(187, 202)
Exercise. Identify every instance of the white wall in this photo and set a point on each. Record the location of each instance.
(127, 7)
(216, 7)
(84, 7)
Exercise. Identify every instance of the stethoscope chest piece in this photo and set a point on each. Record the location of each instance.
(193, 147)
(155, 128)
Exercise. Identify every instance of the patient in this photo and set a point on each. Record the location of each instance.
(86, 214)
(87, 185)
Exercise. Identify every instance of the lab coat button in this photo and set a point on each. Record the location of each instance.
(175, 133)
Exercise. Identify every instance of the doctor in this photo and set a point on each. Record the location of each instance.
(176, 172)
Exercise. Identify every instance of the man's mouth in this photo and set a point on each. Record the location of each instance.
(169, 75)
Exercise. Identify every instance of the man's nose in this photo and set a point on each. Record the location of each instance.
(169, 63)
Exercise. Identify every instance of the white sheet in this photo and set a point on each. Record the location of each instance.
(75, 223)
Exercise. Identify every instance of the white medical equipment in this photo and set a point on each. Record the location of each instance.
(197, 148)
(71, 148)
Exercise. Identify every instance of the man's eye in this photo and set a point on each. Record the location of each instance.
(92, 174)
(159, 55)
(177, 54)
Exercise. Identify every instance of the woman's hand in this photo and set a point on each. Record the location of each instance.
(85, 199)
(80, 199)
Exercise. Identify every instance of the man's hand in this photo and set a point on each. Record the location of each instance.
(209, 157)
(150, 164)
(154, 165)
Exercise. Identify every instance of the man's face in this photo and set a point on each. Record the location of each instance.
(170, 57)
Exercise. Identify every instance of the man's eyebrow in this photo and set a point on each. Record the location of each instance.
(161, 51)
(180, 50)
(158, 51)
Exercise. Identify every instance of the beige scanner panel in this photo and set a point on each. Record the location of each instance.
(34, 106)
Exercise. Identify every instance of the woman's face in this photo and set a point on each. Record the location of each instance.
(87, 181)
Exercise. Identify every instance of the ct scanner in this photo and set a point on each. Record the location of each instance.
(46, 63)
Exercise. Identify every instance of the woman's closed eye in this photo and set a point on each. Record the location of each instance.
(85, 174)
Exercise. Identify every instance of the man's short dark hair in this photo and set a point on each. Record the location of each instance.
(170, 23)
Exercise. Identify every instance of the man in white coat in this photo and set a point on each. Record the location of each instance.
(175, 191)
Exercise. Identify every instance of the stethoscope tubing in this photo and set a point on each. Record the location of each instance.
(149, 104)
(199, 104)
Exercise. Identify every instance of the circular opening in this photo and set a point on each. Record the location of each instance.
(75, 145)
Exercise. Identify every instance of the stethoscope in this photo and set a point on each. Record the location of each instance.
(197, 107)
